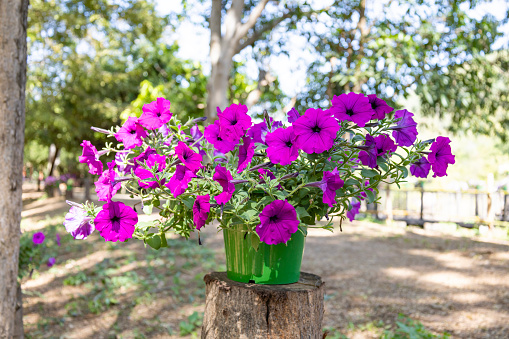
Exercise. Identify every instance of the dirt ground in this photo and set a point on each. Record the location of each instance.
(450, 283)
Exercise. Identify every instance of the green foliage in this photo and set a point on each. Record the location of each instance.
(410, 329)
(32, 256)
(434, 49)
(192, 323)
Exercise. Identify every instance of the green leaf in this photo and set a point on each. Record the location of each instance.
(255, 241)
(154, 241)
(301, 212)
(260, 147)
(147, 209)
(188, 202)
(142, 225)
(248, 215)
(404, 170)
(368, 173)
(351, 182)
(370, 196)
(382, 163)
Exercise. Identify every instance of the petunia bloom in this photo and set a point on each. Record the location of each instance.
(179, 182)
(51, 262)
(197, 135)
(77, 223)
(441, 156)
(124, 165)
(107, 185)
(224, 178)
(201, 209)
(131, 133)
(329, 184)
(189, 158)
(143, 157)
(293, 115)
(420, 169)
(379, 146)
(234, 122)
(144, 174)
(278, 223)
(379, 106)
(352, 107)
(283, 146)
(212, 136)
(315, 130)
(356, 205)
(405, 131)
(259, 131)
(38, 238)
(116, 221)
(155, 114)
(90, 156)
(246, 153)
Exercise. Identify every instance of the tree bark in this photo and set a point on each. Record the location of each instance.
(238, 310)
(13, 55)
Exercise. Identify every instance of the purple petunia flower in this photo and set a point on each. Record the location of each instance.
(143, 157)
(246, 153)
(90, 156)
(315, 130)
(196, 134)
(155, 114)
(77, 223)
(293, 115)
(189, 158)
(441, 156)
(376, 147)
(57, 236)
(179, 182)
(107, 185)
(420, 169)
(38, 238)
(234, 122)
(283, 146)
(51, 262)
(369, 153)
(258, 132)
(201, 209)
(120, 159)
(352, 107)
(212, 136)
(329, 184)
(405, 131)
(379, 106)
(278, 223)
(144, 174)
(356, 205)
(224, 178)
(131, 133)
(116, 221)
(164, 130)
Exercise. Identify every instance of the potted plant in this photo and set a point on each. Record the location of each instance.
(262, 183)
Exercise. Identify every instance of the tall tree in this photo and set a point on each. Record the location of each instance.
(396, 48)
(236, 24)
(13, 55)
(86, 61)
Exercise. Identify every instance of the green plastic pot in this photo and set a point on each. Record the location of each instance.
(250, 261)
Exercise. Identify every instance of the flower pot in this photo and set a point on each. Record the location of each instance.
(249, 260)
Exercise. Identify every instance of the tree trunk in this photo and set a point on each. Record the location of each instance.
(13, 55)
(217, 87)
(238, 310)
(18, 320)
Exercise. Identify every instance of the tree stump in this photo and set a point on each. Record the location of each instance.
(238, 310)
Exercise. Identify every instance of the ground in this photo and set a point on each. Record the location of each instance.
(455, 283)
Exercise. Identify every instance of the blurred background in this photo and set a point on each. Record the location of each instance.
(94, 63)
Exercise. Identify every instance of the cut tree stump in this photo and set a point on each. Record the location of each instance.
(250, 311)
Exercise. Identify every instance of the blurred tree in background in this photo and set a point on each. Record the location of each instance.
(86, 62)
(396, 48)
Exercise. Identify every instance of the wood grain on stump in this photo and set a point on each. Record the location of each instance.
(250, 311)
